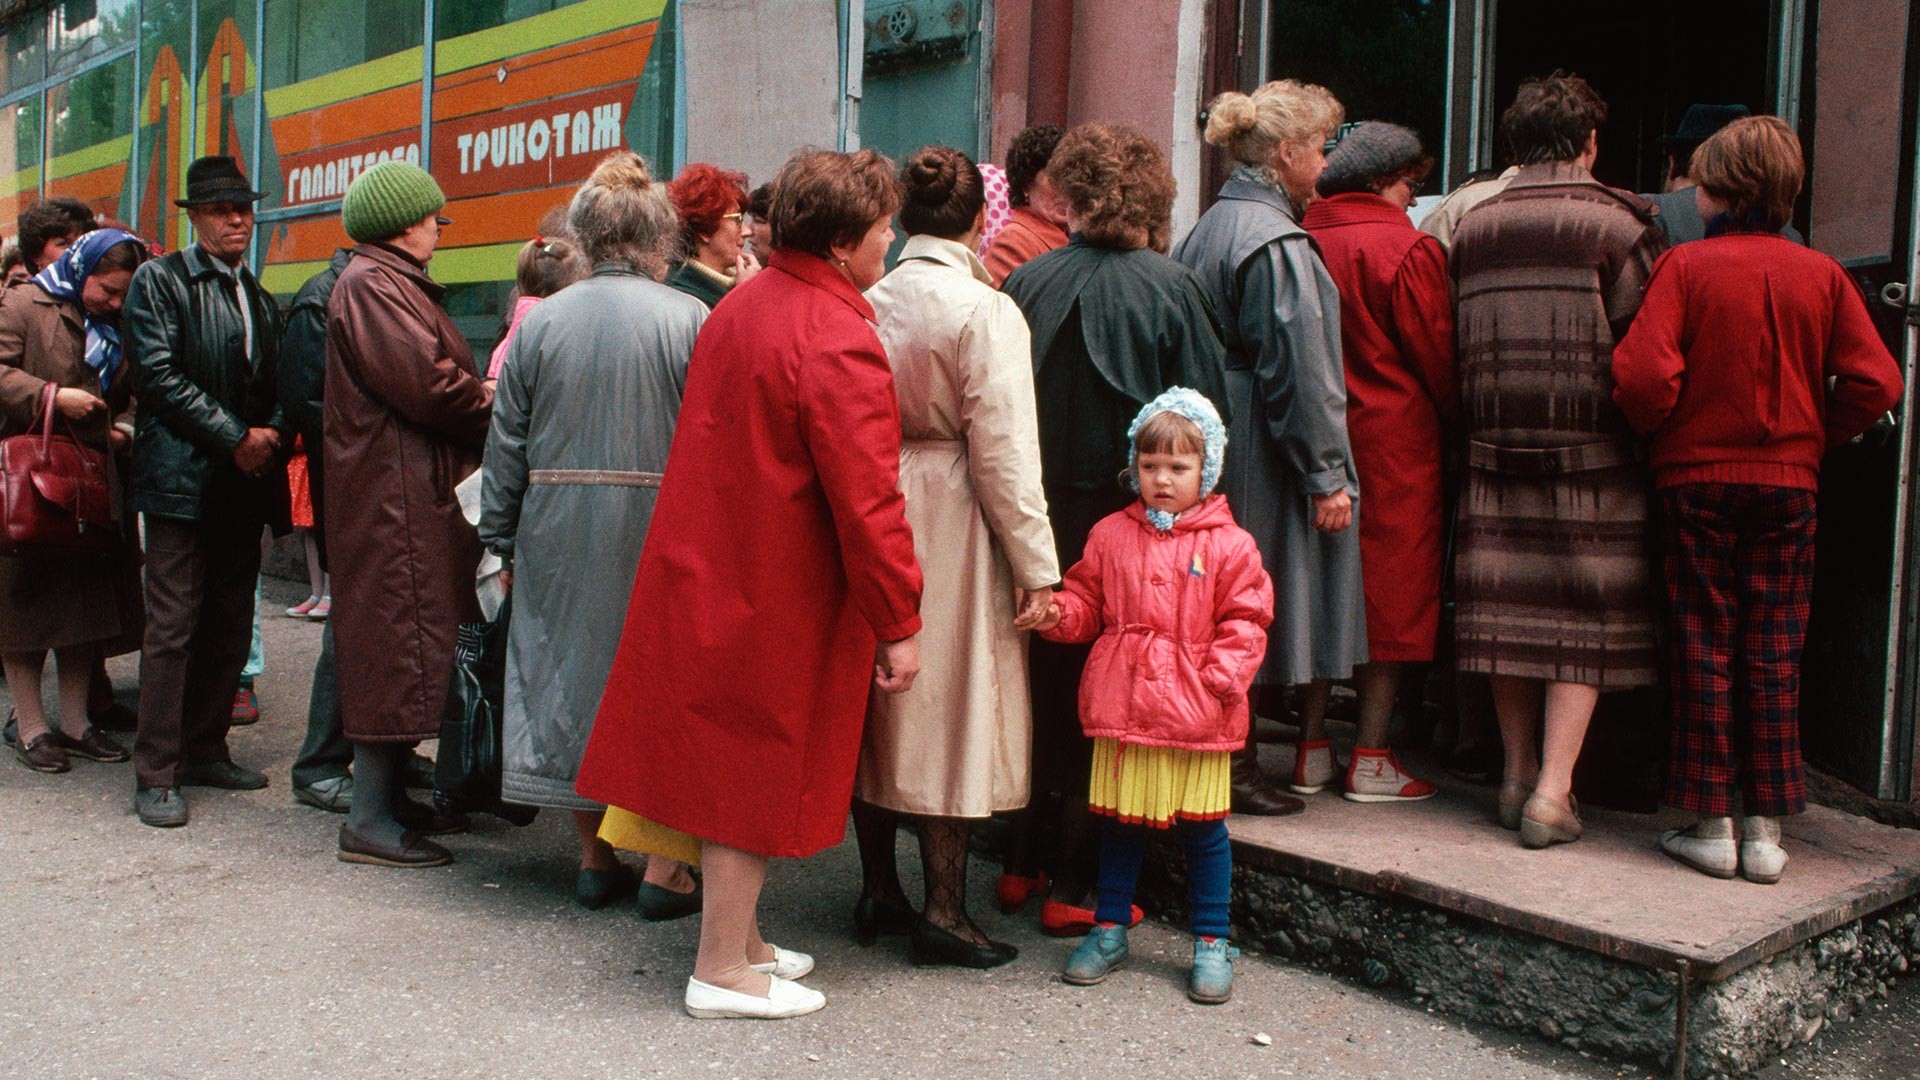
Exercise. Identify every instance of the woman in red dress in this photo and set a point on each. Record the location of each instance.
(778, 579)
(1396, 335)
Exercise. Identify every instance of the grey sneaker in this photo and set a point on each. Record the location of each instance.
(1211, 981)
(333, 794)
(160, 807)
(1103, 952)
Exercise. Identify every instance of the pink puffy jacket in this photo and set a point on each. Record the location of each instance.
(1181, 619)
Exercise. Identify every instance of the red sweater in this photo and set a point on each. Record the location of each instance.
(1728, 363)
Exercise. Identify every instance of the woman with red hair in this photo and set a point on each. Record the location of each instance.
(715, 229)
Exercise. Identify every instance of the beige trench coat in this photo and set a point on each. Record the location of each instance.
(958, 743)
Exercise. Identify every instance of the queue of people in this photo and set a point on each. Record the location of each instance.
(841, 502)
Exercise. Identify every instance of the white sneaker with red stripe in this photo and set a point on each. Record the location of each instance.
(1314, 767)
(1376, 776)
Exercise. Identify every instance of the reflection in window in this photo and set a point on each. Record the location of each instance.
(1384, 59)
(84, 28)
(19, 138)
(26, 51)
(455, 17)
(306, 39)
(92, 108)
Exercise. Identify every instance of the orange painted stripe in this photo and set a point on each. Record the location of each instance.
(489, 219)
(396, 109)
(305, 240)
(92, 186)
(612, 63)
(488, 72)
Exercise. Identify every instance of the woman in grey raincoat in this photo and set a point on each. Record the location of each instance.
(1289, 474)
(581, 426)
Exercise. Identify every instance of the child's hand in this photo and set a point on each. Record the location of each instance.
(1051, 619)
(1030, 607)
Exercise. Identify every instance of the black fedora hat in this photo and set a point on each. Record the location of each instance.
(217, 180)
(1701, 122)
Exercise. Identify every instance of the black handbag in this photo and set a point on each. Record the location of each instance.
(467, 766)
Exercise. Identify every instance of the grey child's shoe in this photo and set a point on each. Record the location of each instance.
(1762, 859)
(1101, 953)
(1211, 982)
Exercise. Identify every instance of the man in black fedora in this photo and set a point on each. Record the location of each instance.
(208, 472)
(1679, 212)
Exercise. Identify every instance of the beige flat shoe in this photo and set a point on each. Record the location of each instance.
(1544, 822)
(1513, 799)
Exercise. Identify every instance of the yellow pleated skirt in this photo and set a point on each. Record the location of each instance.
(1158, 785)
(629, 831)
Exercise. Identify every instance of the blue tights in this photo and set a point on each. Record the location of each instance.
(1209, 872)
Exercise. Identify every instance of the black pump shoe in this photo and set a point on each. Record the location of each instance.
(932, 945)
(595, 889)
(871, 918)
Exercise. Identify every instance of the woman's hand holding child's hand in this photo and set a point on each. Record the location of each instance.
(1030, 607)
(895, 665)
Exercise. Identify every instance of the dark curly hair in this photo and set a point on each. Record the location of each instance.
(1551, 118)
(1117, 185)
(48, 220)
(1027, 157)
(944, 193)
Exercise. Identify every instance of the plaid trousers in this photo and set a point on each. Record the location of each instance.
(1739, 576)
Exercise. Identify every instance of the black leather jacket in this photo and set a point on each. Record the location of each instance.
(197, 393)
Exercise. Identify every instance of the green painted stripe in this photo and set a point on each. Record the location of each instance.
(464, 266)
(97, 156)
(284, 279)
(23, 180)
(357, 81)
(536, 32)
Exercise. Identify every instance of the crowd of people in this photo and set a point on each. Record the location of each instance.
(1031, 524)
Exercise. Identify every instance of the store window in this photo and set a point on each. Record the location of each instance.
(1384, 59)
(87, 28)
(94, 107)
(26, 55)
(306, 39)
(453, 18)
(19, 138)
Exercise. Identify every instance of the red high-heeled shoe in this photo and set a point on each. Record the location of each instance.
(1064, 920)
(1014, 891)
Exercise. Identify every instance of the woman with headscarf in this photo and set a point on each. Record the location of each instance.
(62, 330)
(1290, 474)
(1115, 323)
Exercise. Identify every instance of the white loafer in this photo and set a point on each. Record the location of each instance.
(786, 964)
(1707, 847)
(784, 999)
(1762, 859)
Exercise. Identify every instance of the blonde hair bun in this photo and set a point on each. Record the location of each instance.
(1232, 115)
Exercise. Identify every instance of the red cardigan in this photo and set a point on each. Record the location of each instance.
(1728, 362)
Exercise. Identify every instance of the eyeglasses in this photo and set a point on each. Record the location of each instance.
(735, 216)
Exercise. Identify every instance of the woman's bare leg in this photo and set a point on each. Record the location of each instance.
(1569, 708)
(23, 682)
(670, 874)
(76, 678)
(1517, 703)
(729, 919)
(595, 853)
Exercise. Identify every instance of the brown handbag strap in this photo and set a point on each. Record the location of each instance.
(46, 416)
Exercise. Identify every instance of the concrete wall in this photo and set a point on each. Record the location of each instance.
(1860, 52)
(763, 79)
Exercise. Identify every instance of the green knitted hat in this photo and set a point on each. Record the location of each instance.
(387, 200)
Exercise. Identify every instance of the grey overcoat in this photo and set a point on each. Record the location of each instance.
(1288, 438)
(582, 421)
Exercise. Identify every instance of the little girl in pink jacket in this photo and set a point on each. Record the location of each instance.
(1173, 594)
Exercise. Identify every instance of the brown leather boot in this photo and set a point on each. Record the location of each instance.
(1251, 792)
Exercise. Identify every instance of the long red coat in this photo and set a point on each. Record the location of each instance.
(778, 556)
(1396, 334)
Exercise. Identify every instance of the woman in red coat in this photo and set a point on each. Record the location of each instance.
(779, 558)
(1396, 334)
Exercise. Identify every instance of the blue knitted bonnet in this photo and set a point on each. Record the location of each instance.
(1193, 405)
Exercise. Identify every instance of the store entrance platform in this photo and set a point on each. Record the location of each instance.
(1605, 944)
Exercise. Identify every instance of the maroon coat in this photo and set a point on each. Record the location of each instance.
(1396, 335)
(779, 554)
(406, 419)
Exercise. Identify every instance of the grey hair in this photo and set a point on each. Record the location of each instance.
(622, 214)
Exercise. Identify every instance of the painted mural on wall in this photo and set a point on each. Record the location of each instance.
(526, 96)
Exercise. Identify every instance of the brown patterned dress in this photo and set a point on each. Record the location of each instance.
(1553, 579)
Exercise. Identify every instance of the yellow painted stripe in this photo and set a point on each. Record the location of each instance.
(99, 155)
(23, 180)
(570, 23)
(357, 81)
(452, 266)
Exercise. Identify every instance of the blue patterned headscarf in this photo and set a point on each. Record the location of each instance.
(66, 276)
(1193, 405)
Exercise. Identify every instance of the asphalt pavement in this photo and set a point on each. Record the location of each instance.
(240, 947)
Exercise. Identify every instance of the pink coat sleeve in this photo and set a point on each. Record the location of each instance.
(1650, 363)
(1243, 609)
(850, 420)
(1866, 379)
(1080, 598)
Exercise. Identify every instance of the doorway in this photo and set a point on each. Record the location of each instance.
(1648, 59)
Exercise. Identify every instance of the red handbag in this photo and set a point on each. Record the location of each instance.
(55, 498)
